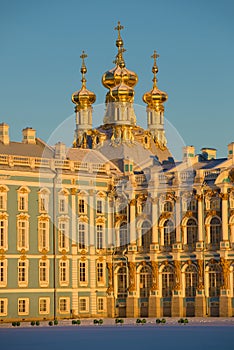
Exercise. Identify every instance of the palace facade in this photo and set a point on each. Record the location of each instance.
(113, 226)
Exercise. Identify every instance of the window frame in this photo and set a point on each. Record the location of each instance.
(3, 271)
(4, 232)
(63, 235)
(103, 309)
(82, 233)
(64, 272)
(47, 311)
(44, 283)
(43, 234)
(23, 282)
(100, 268)
(86, 299)
(82, 206)
(100, 236)
(26, 312)
(83, 272)
(22, 219)
(67, 299)
(3, 301)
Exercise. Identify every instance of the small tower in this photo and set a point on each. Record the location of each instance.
(4, 133)
(83, 99)
(155, 109)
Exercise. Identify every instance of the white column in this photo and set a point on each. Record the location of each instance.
(110, 229)
(74, 306)
(132, 222)
(200, 217)
(178, 219)
(91, 219)
(155, 221)
(73, 215)
(224, 197)
(92, 276)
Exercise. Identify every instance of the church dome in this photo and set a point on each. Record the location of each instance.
(83, 98)
(155, 97)
(119, 74)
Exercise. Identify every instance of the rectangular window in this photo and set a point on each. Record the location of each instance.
(83, 304)
(3, 306)
(64, 305)
(3, 201)
(22, 273)
(23, 234)
(192, 205)
(3, 273)
(43, 233)
(99, 236)
(44, 306)
(100, 272)
(23, 306)
(64, 272)
(3, 234)
(43, 204)
(22, 202)
(99, 207)
(100, 304)
(62, 205)
(82, 272)
(232, 202)
(215, 204)
(63, 236)
(81, 206)
(81, 236)
(43, 273)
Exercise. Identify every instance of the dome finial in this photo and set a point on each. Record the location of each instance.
(155, 67)
(83, 69)
(119, 28)
(119, 43)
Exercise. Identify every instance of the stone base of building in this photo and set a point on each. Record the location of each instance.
(132, 309)
(176, 306)
(154, 306)
(200, 306)
(225, 304)
(110, 306)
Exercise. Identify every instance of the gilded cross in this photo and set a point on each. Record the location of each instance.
(119, 28)
(83, 56)
(155, 56)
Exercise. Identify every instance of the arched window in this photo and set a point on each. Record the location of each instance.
(168, 206)
(145, 282)
(191, 232)
(146, 235)
(169, 234)
(123, 235)
(190, 281)
(122, 282)
(215, 232)
(167, 281)
(215, 280)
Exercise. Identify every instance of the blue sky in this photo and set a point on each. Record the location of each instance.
(41, 42)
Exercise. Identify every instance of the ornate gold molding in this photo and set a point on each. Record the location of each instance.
(132, 276)
(155, 275)
(224, 196)
(225, 264)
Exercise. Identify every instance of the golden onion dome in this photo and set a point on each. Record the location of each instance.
(122, 93)
(119, 73)
(155, 97)
(83, 98)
